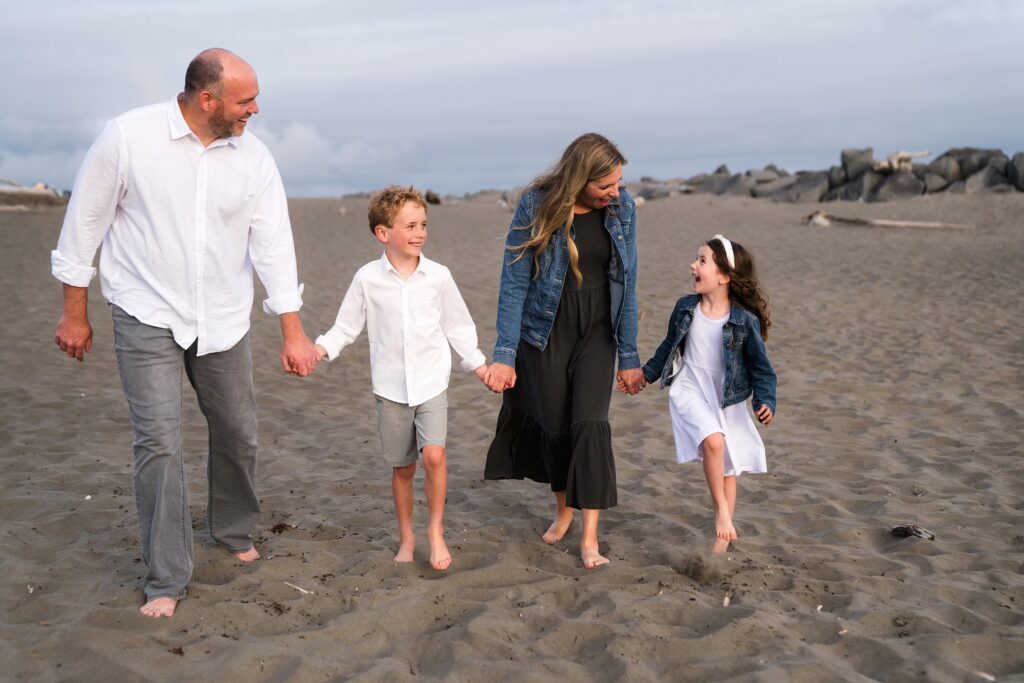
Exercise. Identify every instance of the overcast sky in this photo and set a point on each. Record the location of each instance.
(460, 96)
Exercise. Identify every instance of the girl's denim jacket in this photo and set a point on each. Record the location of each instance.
(747, 370)
(527, 304)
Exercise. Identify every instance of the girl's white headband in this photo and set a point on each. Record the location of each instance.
(728, 250)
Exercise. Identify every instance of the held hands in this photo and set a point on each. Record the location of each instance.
(630, 381)
(481, 373)
(764, 415)
(499, 377)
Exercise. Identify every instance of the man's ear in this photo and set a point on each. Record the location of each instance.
(207, 100)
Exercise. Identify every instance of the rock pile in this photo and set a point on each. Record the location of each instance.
(860, 177)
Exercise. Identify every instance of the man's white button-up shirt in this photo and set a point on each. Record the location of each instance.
(410, 323)
(182, 227)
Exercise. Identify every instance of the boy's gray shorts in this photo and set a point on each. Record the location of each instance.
(405, 430)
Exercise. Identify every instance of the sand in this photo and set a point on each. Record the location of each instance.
(900, 360)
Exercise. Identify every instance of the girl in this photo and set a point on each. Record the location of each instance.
(714, 359)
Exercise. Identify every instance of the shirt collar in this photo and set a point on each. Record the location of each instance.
(179, 129)
(420, 267)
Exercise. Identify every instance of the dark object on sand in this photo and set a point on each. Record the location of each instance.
(432, 197)
(908, 530)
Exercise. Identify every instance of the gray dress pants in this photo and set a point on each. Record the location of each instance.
(150, 363)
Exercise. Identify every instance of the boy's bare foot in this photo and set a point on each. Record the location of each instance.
(440, 558)
(591, 558)
(405, 551)
(719, 546)
(724, 529)
(250, 555)
(159, 607)
(556, 532)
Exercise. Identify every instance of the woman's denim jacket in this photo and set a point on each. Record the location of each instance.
(527, 304)
(747, 370)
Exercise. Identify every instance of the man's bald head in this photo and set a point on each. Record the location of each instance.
(207, 70)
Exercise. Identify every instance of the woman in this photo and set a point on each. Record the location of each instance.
(566, 310)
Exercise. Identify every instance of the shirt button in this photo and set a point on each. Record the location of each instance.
(620, 237)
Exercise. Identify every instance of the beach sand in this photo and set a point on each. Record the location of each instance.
(901, 367)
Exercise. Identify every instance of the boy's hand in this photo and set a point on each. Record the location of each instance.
(481, 373)
(764, 415)
(321, 351)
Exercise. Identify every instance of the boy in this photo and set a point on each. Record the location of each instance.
(412, 311)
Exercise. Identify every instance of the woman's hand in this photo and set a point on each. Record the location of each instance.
(764, 415)
(500, 377)
(631, 381)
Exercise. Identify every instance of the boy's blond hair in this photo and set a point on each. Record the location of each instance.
(386, 204)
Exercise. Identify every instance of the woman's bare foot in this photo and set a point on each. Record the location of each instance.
(159, 607)
(591, 558)
(440, 558)
(723, 526)
(405, 550)
(556, 532)
(250, 555)
(719, 546)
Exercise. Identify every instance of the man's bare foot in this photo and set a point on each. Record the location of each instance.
(250, 555)
(440, 558)
(556, 532)
(159, 607)
(724, 529)
(719, 546)
(591, 558)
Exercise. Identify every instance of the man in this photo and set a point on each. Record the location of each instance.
(185, 206)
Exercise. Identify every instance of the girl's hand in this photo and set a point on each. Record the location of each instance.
(764, 415)
(500, 377)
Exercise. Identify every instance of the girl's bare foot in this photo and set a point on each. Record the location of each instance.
(591, 558)
(440, 558)
(250, 555)
(724, 529)
(556, 532)
(405, 550)
(159, 607)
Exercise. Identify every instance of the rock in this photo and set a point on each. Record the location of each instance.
(933, 182)
(857, 161)
(900, 185)
(649, 192)
(985, 179)
(947, 167)
(959, 187)
(723, 170)
(739, 184)
(765, 176)
(919, 171)
(858, 189)
(768, 189)
(431, 197)
(772, 168)
(972, 159)
(809, 186)
(836, 177)
(1015, 170)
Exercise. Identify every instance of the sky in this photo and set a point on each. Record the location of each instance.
(463, 96)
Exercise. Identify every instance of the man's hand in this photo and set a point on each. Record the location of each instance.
(631, 381)
(298, 355)
(74, 333)
(500, 377)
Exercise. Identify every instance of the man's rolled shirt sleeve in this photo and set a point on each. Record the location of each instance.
(94, 196)
(271, 246)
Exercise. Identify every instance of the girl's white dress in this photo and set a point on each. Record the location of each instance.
(695, 402)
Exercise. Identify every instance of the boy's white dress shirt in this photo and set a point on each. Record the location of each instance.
(410, 323)
(182, 227)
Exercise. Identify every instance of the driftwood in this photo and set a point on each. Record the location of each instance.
(899, 161)
(823, 220)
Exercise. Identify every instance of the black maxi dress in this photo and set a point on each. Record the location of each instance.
(553, 425)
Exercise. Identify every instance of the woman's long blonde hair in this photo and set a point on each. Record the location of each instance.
(588, 157)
